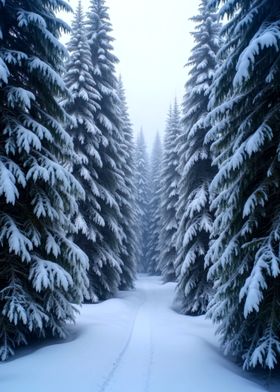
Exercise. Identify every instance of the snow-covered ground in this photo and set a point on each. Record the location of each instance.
(134, 343)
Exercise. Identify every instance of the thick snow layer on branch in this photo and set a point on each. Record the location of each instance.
(269, 38)
(4, 72)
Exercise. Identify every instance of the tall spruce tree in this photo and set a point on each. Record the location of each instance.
(107, 267)
(170, 178)
(195, 166)
(153, 250)
(82, 106)
(42, 272)
(128, 202)
(142, 201)
(245, 137)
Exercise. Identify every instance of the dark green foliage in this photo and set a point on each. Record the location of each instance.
(42, 272)
(245, 138)
(193, 210)
(127, 201)
(106, 265)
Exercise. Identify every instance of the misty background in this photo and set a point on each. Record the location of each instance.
(153, 42)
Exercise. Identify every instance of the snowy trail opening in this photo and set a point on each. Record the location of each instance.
(134, 343)
(137, 352)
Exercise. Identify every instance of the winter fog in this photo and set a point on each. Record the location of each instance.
(152, 42)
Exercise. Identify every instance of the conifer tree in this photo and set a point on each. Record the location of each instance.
(82, 106)
(153, 250)
(195, 166)
(128, 202)
(107, 267)
(170, 178)
(245, 137)
(42, 272)
(142, 201)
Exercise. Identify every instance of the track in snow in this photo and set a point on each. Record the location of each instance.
(162, 354)
(133, 343)
(138, 350)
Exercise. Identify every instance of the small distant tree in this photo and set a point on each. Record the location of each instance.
(170, 178)
(142, 201)
(153, 250)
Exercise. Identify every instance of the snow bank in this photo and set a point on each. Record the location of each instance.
(134, 343)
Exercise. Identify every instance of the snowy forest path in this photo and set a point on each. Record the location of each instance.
(132, 343)
(138, 350)
(163, 354)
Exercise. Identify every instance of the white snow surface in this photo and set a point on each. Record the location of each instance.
(134, 343)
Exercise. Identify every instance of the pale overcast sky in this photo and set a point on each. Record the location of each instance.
(152, 42)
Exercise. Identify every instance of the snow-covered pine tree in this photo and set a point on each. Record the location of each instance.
(195, 166)
(82, 106)
(142, 200)
(128, 202)
(153, 250)
(42, 272)
(107, 267)
(245, 137)
(170, 178)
